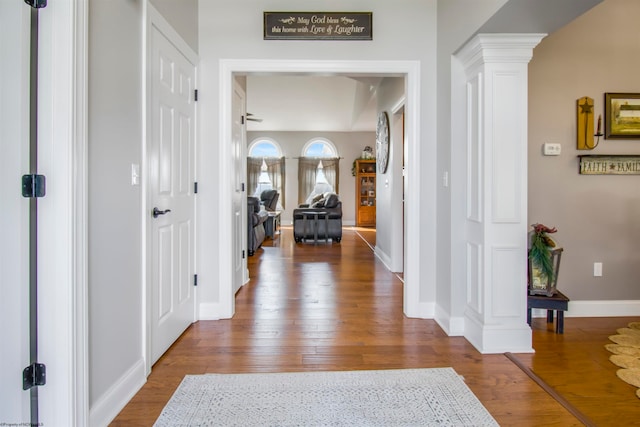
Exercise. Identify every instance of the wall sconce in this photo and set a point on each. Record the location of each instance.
(585, 135)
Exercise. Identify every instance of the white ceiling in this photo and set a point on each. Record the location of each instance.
(312, 103)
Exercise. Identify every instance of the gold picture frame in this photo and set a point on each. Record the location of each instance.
(622, 115)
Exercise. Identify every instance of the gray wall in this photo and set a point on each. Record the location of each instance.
(389, 211)
(404, 30)
(115, 228)
(585, 64)
(596, 216)
(115, 136)
(183, 17)
(349, 145)
(458, 20)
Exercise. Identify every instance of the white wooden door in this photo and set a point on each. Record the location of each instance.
(171, 175)
(238, 150)
(14, 210)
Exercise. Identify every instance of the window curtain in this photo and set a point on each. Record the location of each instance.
(307, 167)
(275, 170)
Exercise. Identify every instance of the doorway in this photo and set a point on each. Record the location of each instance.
(407, 69)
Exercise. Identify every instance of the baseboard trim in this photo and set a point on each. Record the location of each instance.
(212, 311)
(613, 308)
(111, 403)
(383, 257)
(452, 326)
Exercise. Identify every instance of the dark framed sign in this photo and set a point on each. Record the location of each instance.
(609, 164)
(622, 115)
(318, 26)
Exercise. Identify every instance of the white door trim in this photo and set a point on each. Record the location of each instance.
(409, 69)
(63, 318)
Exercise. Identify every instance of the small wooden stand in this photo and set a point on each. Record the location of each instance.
(558, 302)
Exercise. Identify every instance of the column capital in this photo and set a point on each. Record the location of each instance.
(498, 48)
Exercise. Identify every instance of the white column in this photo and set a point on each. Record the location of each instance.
(496, 191)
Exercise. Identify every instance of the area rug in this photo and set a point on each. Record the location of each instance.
(397, 397)
(626, 354)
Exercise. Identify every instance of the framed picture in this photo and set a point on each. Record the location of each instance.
(622, 115)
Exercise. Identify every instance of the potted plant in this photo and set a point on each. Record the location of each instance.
(544, 261)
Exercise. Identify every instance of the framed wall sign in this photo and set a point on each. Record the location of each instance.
(622, 115)
(318, 26)
(609, 164)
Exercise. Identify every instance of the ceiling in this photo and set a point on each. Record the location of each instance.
(312, 103)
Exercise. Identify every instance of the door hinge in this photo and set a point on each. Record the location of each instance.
(33, 186)
(195, 188)
(241, 120)
(243, 254)
(195, 95)
(242, 187)
(34, 375)
(36, 4)
(195, 280)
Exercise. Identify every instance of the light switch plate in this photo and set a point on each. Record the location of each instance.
(135, 174)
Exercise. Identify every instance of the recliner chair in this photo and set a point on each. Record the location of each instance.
(255, 224)
(321, 219)
(270, 199)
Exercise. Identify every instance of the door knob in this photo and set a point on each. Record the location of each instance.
(157, 212)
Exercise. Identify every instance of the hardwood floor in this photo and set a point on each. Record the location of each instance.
(335, 307)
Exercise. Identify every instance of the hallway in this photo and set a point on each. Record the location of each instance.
(336, 307)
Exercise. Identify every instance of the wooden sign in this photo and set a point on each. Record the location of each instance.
(318, 26)
(609, 165)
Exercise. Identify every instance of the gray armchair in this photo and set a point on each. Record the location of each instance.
(270, 199)
(255, 224)
(320, 220)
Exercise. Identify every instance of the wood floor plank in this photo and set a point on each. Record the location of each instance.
(336, 307)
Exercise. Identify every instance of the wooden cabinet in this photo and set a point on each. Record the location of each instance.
(365, 193)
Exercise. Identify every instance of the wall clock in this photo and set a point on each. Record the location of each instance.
(382, 142)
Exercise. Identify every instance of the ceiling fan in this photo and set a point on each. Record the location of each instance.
(253, 119)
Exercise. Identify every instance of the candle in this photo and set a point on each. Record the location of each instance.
(599, 124)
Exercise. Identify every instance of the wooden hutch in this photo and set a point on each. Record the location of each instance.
(366, 192)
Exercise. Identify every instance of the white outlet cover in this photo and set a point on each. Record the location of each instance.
(597, 269)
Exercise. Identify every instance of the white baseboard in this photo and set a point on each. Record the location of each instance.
(622, 308)
(384, 257)
(452, 326)
(211, 311)
(111, 403)
(424, 310)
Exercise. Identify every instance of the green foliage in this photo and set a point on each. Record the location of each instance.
(540, 254)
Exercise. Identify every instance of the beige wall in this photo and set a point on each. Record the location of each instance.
(597, 216)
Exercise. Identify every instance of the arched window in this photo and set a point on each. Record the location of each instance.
(319, 159)
(265, 147)
(265, 153)
(319, 147)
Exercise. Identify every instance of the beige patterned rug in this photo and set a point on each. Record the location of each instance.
(626, 354)
(396, 397)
